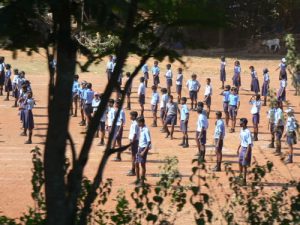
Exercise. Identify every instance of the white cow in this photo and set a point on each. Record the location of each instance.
(272, 42)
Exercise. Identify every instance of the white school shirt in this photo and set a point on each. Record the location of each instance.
(183, 112)
(193, 85)
(164, 100)
(246, 138)
(256, 105)
(110, 116)
(234, 99)
(121, 118)
(155, 98)
(266, 77)
(291, 124)
(145, 137)
(219, 129)
(223, 64)
(95, 104)
(208, 90)
(202, 122)
(145, 68)
(109, 65)
(15, 79)
(29, 104)
(141, 89)
(134, 131)
(278, 117)
(169, 74)
(271, 115)
(179, 79)
(155, 70)
(2, 67)
(226, 96)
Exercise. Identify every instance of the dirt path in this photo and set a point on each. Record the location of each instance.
(15, 157)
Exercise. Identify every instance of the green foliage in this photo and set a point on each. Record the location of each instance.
(293, 61)
(253, 205)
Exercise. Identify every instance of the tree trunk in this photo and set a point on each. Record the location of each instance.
(59, 108)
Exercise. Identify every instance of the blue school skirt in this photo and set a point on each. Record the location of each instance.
(265, 89)
(255, 85)
(255, 118)
(223, 75)
(28, 120)
(236, 81)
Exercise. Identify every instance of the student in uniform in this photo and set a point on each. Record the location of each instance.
(155, 73)
(207, 96)
(119, 128)
(142, 94)
(219, 137)
(184, 121)
(102, 124)
(7, 81)
(290, 133)
(88, 109)
(95, 102)
(281, 95)
(169, 77)
(28, 121)
(179, 81)
(15, 87)
(143, 148)
(278, 127)
(245, 149)
(163, 106)
(110, 114)
(81, 94)
(2, 74)
(145, 71)
(128, 92)
(223, 71)
(202, 125)
(283, 67)
(193, 86)
(170, 117)
(109, 67)
(265, 86)
(75, 90)
(234, 104)
(254, 81)
(22, 107)
(271, 126)
(201, 105)
(154, 105)
(226, 94)
(236, 79)
(255, 111)
(134, 134)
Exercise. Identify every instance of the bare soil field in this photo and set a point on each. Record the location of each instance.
(15, 157)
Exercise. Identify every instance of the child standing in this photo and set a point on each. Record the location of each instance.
(207, 95)
(265, 86)
(219, 137)
(15, 87)
(255, 111)
(134, 140)
(223, 71)
(119, 129)
(193, 86)
(155, 73)
(141, 94)
(278, 127)
(88, 109)
(2, 74)
(282, 66)
(202, 125)
(28, 121)
(163, 106)
(236, 79)
(169, 77)
(184, 120)
(281, 94)
(170, 117)
(144, 147)
(254, 80)
(179, 81)
(128, 91)
(154, 104)
(145, 71)
(271, 126)
(7, 81)
(246, 149)
(109, 67)
(110, 114)
(234, 104)
(75, 90)
(226, 94)
(81, 94)
(290, 133)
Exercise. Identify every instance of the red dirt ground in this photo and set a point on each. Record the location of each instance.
(15, 157)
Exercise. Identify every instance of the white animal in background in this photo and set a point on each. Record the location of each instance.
(272, 43)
